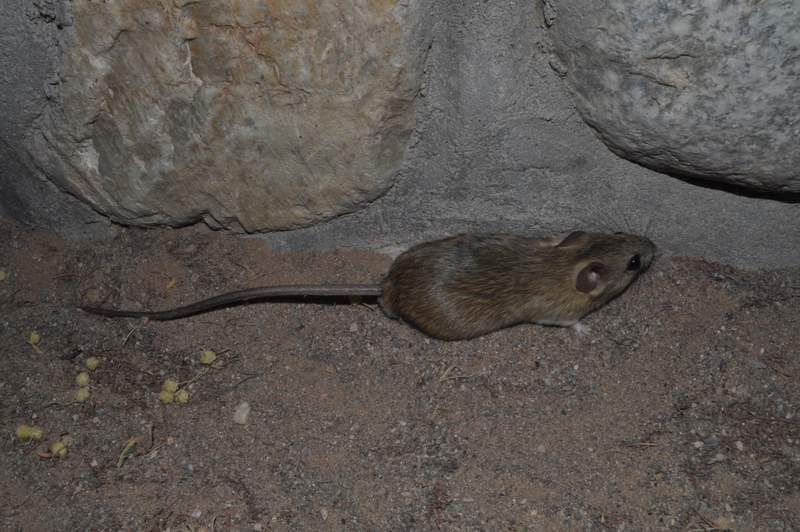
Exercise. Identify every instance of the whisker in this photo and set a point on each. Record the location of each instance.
(627, 222)
(594, 222)
(647, 227)
(603, 220)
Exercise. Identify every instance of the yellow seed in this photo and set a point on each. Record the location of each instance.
(166, 397)
(67, 439)
(24, 432)
(182, 397)
(36, 433)
(3, 275)
(82, 394)
(58, 448)
(207, 357)
(92, 363)
(82, 379)
(170, 385)
(34, 338)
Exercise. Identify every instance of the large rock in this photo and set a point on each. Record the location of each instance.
(254, 115)
(497, 146)
(702, 88)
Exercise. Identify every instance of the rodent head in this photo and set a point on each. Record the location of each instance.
(605, 264)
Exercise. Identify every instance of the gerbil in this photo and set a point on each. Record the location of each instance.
(468, 285)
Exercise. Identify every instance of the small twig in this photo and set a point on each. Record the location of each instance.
(447, 377)
(203, 372)
(779, 372)
(249, 377)
(128, 336)
(242, 266)
(457, 377)
(134, 368)
(644, 444)
(170, 285)
(72, 354)
(155, 448)
(709, 525)
(767, 419)
(601, 520)
(152, 448)
(446, 373)
(54, 403)
(234, 386)
(127, 451)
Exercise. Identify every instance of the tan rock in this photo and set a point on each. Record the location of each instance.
(246, 114)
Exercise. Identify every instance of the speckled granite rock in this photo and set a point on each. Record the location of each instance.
(702, 88)
(253, 115)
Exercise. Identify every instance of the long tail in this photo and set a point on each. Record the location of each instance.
(243, 296)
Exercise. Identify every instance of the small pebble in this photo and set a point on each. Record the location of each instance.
(241, 413)
(719, 457)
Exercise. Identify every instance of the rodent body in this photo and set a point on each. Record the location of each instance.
(472, 284)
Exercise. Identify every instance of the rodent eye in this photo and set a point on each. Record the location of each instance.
(635, 263)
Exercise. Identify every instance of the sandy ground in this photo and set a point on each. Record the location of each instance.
(679, 411)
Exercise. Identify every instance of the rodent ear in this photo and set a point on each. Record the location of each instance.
(590, 277)
(573, 238)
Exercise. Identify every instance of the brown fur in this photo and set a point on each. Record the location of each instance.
(469, 285)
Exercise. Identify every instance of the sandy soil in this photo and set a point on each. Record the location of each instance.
(679, 411)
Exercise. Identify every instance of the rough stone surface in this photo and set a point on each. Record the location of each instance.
(703, 88)
(30, 33)
(501, 148)
(259, 115)
(498, 146)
